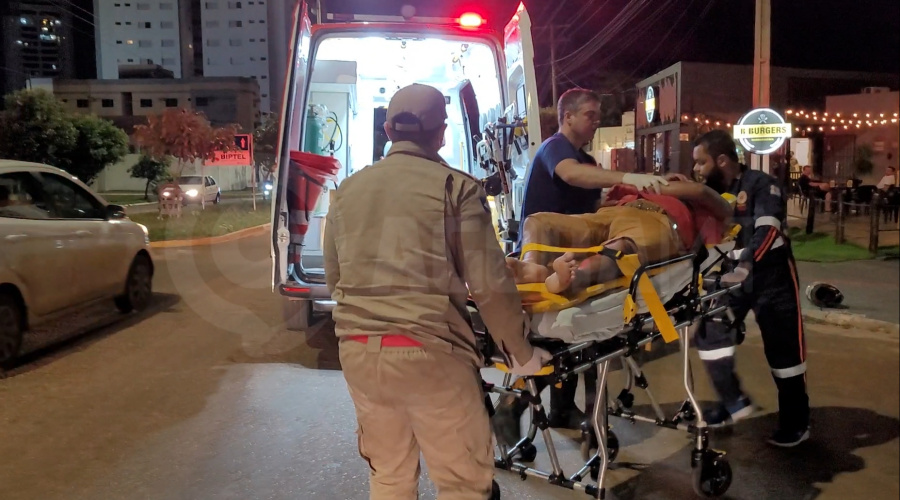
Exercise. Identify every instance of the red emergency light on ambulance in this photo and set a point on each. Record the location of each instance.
(342, 73)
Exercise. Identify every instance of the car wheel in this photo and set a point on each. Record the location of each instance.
(138, 286)
(10, 330)
(218, 198)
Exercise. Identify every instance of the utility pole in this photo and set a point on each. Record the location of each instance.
(554, 75)
(762, 63)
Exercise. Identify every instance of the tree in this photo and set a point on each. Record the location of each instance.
(549, 122)
(265, 142)
(36, 127)
(99, 143)
(184, 135)
(149, 168)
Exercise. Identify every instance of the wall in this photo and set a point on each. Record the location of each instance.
(117, 178)
(884, 139)
(235, 41)
(657, 143)
(225, 100)
(122, 36)
(607, 139)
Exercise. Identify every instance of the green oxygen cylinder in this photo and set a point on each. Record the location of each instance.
(314, 136)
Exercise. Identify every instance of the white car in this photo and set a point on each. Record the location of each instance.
(61, 248)
(195, 188)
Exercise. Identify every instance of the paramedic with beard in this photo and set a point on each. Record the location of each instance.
(407, 240)
(770, 289)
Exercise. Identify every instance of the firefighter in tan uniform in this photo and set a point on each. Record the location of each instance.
(407, 240)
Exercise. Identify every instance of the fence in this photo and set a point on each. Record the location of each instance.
(865, 217)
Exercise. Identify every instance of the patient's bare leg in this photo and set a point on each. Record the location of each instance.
(600, 269)
(564, 272)
(527, 272)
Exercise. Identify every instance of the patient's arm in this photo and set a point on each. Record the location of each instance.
(702, 195)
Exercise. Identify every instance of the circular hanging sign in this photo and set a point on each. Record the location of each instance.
(650, 106)
(762, 131)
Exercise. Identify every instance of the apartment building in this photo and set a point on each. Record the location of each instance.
(235, 42)
(224, 100)
(130, 32)
(36, 41)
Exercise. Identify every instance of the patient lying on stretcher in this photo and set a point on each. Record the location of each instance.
(656, 227)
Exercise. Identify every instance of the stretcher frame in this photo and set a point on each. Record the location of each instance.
(711, 472)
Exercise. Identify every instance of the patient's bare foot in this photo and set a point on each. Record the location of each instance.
(564, 273)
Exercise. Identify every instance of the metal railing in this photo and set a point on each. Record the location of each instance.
(868, 221)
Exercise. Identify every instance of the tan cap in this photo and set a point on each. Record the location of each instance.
(417, 108)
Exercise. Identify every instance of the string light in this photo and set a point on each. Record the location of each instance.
(808, 120)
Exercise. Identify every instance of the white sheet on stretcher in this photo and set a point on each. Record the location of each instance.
(601, 318)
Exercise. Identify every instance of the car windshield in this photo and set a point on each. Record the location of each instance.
(191, 179)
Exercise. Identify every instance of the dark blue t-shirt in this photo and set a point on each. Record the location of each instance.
(545, 192)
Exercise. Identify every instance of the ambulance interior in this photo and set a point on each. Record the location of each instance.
(352, 82)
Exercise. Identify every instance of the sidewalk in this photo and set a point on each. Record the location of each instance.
(871, 288)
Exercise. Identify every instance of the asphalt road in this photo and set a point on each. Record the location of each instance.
(205, 396)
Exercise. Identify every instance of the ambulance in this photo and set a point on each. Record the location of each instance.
(341, 76)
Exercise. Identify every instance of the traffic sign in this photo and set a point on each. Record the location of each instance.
(239, 157)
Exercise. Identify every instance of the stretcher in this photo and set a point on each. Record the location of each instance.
(612, 322)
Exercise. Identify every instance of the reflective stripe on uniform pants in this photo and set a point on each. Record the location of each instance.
(789, 372)
(715, 354)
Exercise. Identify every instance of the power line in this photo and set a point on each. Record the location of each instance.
(634, 34)
(588, 50)
(73, 14)
(658, 44)
(91, 14)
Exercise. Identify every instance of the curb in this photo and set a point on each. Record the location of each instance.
(212, 240)
(851, 320)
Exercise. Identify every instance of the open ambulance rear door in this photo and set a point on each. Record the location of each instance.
(523, 106)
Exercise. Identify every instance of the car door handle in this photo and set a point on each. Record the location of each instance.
(15, 237)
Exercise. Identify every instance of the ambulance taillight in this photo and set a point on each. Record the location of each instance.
(471, 20)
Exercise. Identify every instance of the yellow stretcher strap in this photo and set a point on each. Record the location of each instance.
(547, 370)
(628, 265)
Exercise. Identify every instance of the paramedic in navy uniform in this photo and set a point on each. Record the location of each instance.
(771, 289)
(564, 179)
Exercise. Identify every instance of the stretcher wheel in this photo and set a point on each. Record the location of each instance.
(495, 490)
(589, 444)
(712, 477)
(528, 453)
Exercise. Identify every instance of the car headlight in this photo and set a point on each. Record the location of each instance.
(268, 186)
(191, 192)
(166, 194)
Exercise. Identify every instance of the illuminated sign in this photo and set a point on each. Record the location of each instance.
(650, 105)
(242, 155)
(762, 131)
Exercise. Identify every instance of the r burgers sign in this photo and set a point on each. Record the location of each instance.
(762, 131)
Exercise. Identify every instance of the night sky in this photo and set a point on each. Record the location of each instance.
(818, 34)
